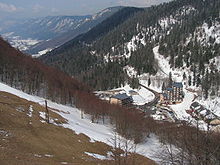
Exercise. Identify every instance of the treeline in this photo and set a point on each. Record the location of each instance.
(31, 76)
(106, 76)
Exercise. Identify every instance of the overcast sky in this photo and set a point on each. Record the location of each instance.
(39, 8)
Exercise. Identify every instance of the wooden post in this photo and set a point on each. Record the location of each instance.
(47, 113)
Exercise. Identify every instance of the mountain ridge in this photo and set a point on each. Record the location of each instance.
(51, 31)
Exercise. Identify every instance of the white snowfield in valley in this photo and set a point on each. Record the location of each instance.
(97, 132)
(40, 53)
(20, 43)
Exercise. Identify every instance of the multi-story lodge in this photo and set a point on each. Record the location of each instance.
(173, 94)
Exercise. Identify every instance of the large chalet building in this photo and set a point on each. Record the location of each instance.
(121, 99)
(173, 94)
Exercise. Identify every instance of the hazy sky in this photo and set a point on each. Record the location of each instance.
(38, 8)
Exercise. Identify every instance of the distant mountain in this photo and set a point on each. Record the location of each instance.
(82, 27)
(45, 28)
(35, 35)
(23, 34)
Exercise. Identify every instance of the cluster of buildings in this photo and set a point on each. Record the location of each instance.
(117, 97)
(200, 112)
(170, 95)
(173, 94)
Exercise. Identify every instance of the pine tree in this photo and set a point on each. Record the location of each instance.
(170, 80)
(184, 76)
(206, 84)
(134, 82)
(194, 75)
(163, 86)
(198, 81)
(189, 80)
(149, 81)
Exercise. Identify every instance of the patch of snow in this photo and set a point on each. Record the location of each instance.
(30, 111)
(40, 53)
(48, 155)
(20, 109)
(180, 109)
(216, 61)
(167, 22)
(4, 133)
(37, 155)
(42, 115)
(151, 147)
(92, 140)
(100, 14)
(98, 156)
(131, 46)
(158, 116)
(211, 104)
(205, 32)
(130, 71)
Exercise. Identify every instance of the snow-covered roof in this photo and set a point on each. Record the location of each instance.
(210, 116)
(203, 112)
(195, 105)
(122, 96)
(169, 89)
(178, 84)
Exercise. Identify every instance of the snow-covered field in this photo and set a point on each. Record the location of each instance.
(40, 53)
(20, 43)
(96, 132)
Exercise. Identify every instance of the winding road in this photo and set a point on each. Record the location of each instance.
(151, 103)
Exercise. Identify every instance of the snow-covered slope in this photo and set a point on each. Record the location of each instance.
(96, 131)
(206, 33)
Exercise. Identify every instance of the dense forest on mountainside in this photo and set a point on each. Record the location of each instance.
(30, 75)
(177, 27)
(77, 52)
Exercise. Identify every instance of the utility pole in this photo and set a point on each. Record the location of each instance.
(47, 113)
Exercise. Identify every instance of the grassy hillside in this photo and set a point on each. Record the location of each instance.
(30, 140)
